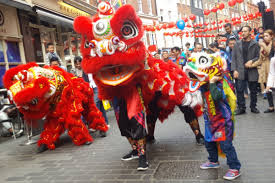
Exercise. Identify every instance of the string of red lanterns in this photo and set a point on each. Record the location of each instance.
(234, 21)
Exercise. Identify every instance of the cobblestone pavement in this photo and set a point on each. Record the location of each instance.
(174, 158)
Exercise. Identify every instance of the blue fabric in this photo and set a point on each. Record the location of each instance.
(229, 150)
(99, 105)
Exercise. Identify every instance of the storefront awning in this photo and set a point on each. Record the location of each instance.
(54, 18)
(20, 4)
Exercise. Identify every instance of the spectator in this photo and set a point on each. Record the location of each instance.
(78, 72)
(271, 81)
(89, 78)
(50, 54)
(229, 33)
(264, 61)
(229, 48)
(165, 56)
(187, 45)
(54, 62)
(260, 34)
(178, 59)
(240, 57)
(197, 48)
(157, 55)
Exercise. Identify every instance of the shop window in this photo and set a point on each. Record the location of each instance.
(2, 72)
(1, 53)
(13, 52)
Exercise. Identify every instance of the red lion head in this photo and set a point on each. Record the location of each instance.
(111, 45)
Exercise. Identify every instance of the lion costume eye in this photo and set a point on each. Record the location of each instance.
(34, 101)
(203, 60)
(129, 30)
(101, 27)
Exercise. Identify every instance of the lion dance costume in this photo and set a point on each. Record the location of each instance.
(58, 96)
(219, 106)
(126, 74)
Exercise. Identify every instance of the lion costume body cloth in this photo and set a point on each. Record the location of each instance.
(114, 53)
(57, 96)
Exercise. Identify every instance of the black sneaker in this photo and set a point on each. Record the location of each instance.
(255, 110)
(150, 139)
(142, 163)
(42, 148)
(269, 110)
(102, 134)
(239, 111)
(200, 141)
(130, 156)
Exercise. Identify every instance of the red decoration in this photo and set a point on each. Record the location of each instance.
(221, 6)
(205, 23)
(213, 23)
(171, 25)
(214, 10)
(192, 17)
(185, 19)
(152, 48)
(220, 21)
(206, 12)
(232, 3)
(239, 1)
(226, 21)
(244, 16)
(268, 10)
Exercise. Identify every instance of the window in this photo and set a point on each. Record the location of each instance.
(161, 15)
(140, 6)
(169, 15)
(150, 6)
(188, 2)
(200, 4)
(195, 3)
(124, 2)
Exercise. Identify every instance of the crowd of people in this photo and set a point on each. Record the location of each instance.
(250, 62)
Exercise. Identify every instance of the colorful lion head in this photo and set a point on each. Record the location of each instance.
(203, 67)
(32, 89)
(111, 44)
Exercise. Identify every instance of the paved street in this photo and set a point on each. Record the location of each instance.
(174, 158)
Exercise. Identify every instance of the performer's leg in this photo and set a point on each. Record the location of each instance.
(132, 154)
(151, 123)
(79, 133)
(192, 120)
(51, 133)
(141, 146)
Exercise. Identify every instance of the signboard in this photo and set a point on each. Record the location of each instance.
(9, 28)
(71, 11)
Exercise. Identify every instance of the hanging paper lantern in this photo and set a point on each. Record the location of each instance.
(172, 24)
(239, 18)
(221, 6)
(232, 3)
(164, 26)
(205, 23)
(220, 21)
(239, 1)
(250, 15)
(244, 16)
(188, 25)
(205, 29)
(180, 24)
(213, 23)
(214, 10)
(233, 19)
(195, 25)
(192, 17)
(185, 19)
(226, 21)
(268, 10)
(196, 31)
(206, 12)
(200, 25)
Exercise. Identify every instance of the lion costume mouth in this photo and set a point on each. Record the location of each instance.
(114, 75)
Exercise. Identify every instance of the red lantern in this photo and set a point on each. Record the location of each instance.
(221, 6)
(233, 19)
(213, 23)
(192, 17)
(171, 25)
(250, 15)
(244, 16)
(220, 21)
(205, 23)
(185, 19)
(164, 26)
(232, 3)
(214, 10)
(196, 31)
(268, 10)
(239, 18)
(205, 29)
(226, 21)
(206, 12)
(187, 35)
(239, 1)
(200, 25)
(195, 25)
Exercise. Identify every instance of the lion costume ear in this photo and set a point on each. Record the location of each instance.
(126, 17)
(83, 25)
